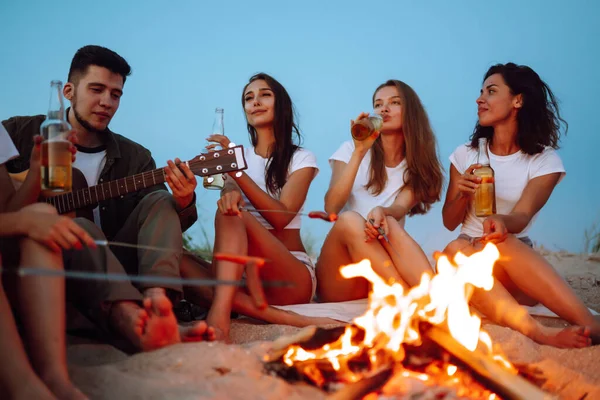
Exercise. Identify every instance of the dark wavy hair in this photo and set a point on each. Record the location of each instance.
(285, 129)
(538, 120)
(101, 57)
(424, 172)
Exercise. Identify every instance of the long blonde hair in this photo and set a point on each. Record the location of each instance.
(424, 173)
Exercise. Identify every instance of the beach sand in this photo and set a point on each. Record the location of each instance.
(219, 371)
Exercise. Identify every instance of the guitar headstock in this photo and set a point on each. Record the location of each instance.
(219, 161)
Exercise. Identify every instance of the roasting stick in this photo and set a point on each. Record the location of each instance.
(114, 277)
(505, 383)
(312, 214)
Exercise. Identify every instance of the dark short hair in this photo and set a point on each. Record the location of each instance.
(101, 57)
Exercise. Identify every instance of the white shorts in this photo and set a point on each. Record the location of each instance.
(306, 260)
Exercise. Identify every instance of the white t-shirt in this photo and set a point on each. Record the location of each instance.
(90, 162)
(8, 151)
(361, 200)
(512, 174)
(257, 167)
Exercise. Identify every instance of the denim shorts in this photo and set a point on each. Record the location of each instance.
(524, 239)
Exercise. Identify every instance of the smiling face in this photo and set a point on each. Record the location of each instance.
(95, 97)
(388, 103)
(497, 103)
(259, 104)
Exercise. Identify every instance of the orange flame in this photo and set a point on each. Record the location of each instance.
(392, 317)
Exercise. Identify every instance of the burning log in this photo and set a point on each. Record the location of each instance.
(424, 335)
(358, 390)
(505, 383)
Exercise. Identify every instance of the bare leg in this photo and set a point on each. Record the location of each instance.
(529, 272)
(345, 244)
(41, 305)
(408, 257)
(242, 302)
(17, 379)
(237, 235)
(502, 308)
(230, 237)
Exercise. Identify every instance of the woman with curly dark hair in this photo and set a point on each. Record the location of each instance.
(520, 118)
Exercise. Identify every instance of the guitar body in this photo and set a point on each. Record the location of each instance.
(78, 182)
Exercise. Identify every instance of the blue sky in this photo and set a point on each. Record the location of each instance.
(189, 57)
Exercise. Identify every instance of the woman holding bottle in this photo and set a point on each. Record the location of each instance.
(377, 182)
(278, 177)
(516, 135)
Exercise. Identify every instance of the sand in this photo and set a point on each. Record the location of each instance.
(219, 371)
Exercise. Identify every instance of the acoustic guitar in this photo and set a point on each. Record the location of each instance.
(81, 201)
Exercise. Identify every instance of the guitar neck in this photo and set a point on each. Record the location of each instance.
(91, 196)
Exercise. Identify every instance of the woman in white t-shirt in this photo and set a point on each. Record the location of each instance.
(519, 117)
(394, 173)
(277, 179)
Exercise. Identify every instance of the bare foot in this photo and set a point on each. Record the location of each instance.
(129, 320)
(198, 332)
(573, 337)
(161, 328)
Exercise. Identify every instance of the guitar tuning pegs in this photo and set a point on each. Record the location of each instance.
(231, 144)
(238, 174)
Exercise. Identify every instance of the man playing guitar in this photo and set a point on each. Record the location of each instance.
(150, 216)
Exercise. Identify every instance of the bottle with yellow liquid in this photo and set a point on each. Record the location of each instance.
(485, 195)
(56, 156)
(363, 128)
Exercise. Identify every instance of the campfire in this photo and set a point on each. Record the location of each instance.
(422, 343)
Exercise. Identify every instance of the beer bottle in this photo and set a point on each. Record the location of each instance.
(363, 128)
(56, 156)
(485, 194)
(216, 182)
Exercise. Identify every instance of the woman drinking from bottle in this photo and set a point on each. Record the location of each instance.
(519, 117)
(377, 182)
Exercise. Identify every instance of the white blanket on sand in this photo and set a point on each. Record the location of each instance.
(348, 310)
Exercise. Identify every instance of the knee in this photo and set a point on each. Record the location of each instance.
(350, 222)
(90, 227)
(40, 208)
(455, 246)
(160, 198)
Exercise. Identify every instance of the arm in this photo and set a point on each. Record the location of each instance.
(54, 231)
(343, 174)
(293, 195)
(459, 195)
(342, 180)
(534, 197)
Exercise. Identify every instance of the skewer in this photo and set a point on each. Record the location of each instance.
(312, 214)
(114, 277)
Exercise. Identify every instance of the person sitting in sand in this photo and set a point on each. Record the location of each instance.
(384, 178)
(39, 302)
(519, 117)
(143, 313)
(278, 177)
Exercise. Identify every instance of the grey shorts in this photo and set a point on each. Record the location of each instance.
(524, 239)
